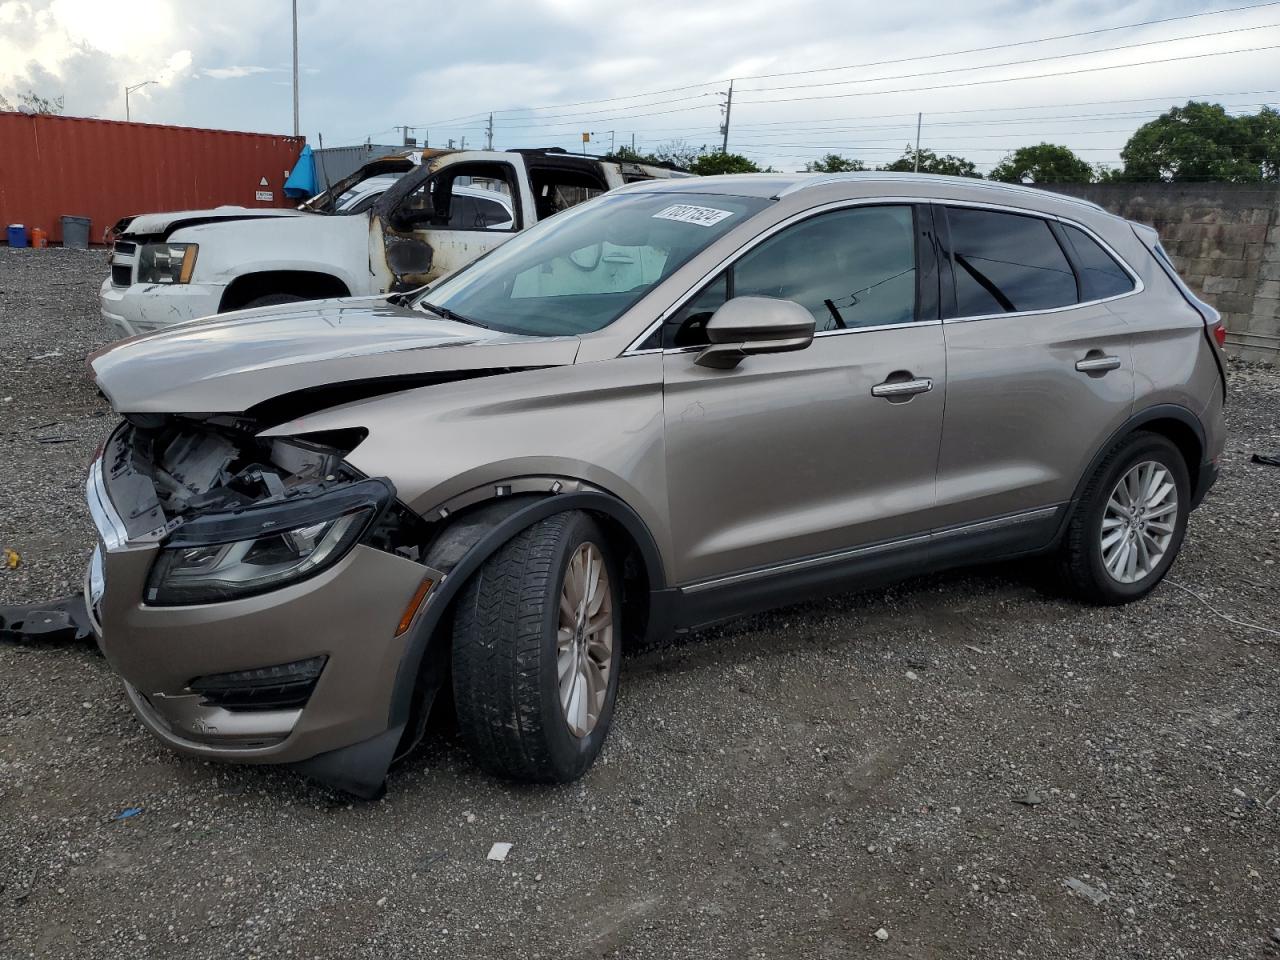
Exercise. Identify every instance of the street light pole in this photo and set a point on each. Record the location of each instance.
(128, 90)
(295, 67)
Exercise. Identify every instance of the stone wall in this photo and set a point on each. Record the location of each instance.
(1224, 239)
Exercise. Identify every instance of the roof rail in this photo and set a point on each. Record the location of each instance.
(895, 176)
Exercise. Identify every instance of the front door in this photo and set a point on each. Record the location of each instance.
(459, 213)
(794, 455)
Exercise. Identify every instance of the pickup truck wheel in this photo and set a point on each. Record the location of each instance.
(272, 300)
(1130, 522)
(536, 651)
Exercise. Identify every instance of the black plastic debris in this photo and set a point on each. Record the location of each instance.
(1269, 459)
(57, 621)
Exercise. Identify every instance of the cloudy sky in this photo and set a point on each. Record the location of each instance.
(812, 76)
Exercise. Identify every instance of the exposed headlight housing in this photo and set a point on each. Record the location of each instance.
(167, 262)
(228, 556)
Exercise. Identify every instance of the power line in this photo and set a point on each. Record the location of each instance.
(1014, 63)
(928, 56)
(1036, 76)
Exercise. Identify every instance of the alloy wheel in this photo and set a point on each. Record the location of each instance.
(1138, 522)
(584, 639)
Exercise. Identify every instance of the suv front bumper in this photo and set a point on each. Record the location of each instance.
(348, 613)
(145, 307)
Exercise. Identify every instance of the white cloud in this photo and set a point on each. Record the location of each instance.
(233, 73)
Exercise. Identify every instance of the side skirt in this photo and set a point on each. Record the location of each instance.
(707, 602)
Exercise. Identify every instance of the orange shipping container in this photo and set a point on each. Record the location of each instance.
(107, 169)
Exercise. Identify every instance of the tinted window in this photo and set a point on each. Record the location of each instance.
(1100, 275)
(1005, 262)
(849, 268)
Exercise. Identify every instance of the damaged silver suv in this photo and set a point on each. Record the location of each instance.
(674, 404)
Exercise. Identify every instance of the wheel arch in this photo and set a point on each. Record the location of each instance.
(1175, 423)
(309, 284)
(472, 536)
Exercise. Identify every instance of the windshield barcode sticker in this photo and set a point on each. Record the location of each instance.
(687, 213)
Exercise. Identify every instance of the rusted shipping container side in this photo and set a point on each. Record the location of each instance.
(51, 167)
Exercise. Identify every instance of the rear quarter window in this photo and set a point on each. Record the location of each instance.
(1100, 275)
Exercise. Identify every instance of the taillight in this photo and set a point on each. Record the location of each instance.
(1220, 335)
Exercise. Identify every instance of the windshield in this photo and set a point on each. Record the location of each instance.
(583, 268)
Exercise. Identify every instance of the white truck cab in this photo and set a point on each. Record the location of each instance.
(397, 223)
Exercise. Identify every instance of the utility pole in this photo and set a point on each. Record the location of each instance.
(919, 120)
(405, 139)
(463, 145)
(724, 127)
(489, 134)
(295, 67)
(129, 90)
(633, 141)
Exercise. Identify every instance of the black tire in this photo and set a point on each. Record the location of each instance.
(505, 655)
(272, 300)
(1081, 563)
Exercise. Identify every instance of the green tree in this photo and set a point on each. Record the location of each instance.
(1200, 141)
(834, 163)
(32, 102)
(1262, 136)
(708, 164)
(1043, 163)
(930, 162)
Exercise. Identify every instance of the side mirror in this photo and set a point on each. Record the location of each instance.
(747, 325)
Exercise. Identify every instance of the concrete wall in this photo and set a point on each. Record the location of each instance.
(1224, 239)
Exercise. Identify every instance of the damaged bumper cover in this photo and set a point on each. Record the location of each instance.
(251, 609)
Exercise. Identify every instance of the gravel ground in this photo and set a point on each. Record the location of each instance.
(936, 761)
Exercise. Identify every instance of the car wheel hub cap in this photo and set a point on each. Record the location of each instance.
(1138, 522)
(584, 639)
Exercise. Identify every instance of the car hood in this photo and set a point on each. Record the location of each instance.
(329, 352)
(162, 224)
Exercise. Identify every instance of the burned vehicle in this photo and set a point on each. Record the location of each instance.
(396, 223)
(676, 403)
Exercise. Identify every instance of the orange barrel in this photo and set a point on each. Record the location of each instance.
(39, 237)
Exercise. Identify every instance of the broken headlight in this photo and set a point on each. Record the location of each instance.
(228, 556)
(167, 262)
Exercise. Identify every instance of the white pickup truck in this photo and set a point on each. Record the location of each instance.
(395, 224)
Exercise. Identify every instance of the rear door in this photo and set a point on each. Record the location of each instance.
(1039, 369)
(793, 455)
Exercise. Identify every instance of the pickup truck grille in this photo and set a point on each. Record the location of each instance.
(122, 255)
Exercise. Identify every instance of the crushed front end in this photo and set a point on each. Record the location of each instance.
(251, 592)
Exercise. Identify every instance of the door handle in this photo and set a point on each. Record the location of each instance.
(890, 390)
(1098, 364)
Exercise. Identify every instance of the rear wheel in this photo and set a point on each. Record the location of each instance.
(536, 651)
(1130, 522)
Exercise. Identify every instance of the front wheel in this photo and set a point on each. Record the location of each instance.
(536, 651)
(1130, 522)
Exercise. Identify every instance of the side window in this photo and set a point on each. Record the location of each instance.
(687, 327)
(849, 268)
(492, 214)
(1005, 262)
(1100, 275)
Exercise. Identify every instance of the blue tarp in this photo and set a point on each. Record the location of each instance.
(301, 182)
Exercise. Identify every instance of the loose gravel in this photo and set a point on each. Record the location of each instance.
(959, 766)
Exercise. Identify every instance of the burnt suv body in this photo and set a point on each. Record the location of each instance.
(676, 403)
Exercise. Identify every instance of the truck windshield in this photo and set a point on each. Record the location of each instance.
(583, 268)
